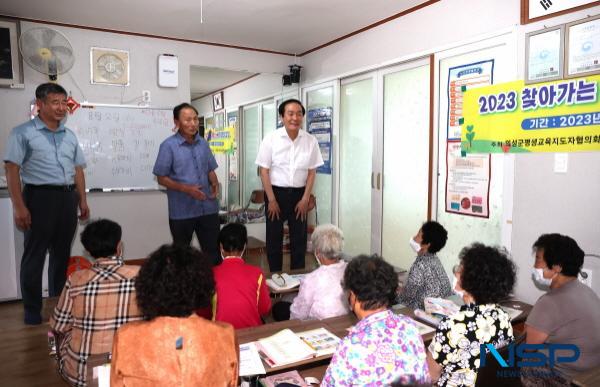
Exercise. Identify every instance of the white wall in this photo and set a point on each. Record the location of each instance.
(142, 215)
(252, 90)
(428, 29)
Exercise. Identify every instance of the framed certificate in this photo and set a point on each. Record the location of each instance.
(583, 47)
(535, 10)
(544, 52)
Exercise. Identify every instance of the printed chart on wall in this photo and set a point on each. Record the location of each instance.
(461, 78)
(319, 125)
(467, 182)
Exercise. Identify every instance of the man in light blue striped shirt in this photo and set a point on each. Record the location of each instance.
(45, 157)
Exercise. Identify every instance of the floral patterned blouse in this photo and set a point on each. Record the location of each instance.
(455, 345)
(380, 349)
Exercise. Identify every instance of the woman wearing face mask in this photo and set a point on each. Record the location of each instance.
(568, 314)
(320, 295)
(383, 347)
(484, 277)
(426, 277)
(241, 293)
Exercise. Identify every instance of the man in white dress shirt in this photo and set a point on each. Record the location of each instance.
(288, 160)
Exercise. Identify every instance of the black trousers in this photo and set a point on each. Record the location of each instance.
(287, 198)
(53, 224)
(206, 228)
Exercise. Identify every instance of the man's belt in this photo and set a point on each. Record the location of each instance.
(50, 187)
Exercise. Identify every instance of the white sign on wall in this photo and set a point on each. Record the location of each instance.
(539, 8)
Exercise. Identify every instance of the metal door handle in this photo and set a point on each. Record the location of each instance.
(378, 181)
(372, 182)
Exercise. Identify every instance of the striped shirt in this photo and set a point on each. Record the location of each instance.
(93, 304)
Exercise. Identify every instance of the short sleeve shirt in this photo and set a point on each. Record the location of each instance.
(187, 164)
(289, 161)
(570, 315)
(455, 345)
(380, 349)
(44, 156)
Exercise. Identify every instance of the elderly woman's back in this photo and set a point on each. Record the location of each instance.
(321, 295)
(175, 347)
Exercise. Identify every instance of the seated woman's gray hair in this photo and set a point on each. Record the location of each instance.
(328, 240)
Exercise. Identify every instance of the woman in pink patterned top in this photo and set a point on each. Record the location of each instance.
(382, 347)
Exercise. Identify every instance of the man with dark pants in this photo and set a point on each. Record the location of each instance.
(288, 159)
(45, 156)
(186, 166)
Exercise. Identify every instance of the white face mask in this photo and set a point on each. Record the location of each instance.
(416, 246)
(460, 293)
(538, 277)
(317, 259)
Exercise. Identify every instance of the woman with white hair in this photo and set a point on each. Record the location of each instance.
(320, 295)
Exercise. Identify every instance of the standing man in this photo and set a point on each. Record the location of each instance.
(45, 156)
(186, 166)
(288, 161)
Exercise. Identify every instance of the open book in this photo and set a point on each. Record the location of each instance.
(286, 347)
(283, 281)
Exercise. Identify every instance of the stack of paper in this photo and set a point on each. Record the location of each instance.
(250, 363)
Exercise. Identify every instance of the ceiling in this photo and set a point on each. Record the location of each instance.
(292, 27)
(206, 80)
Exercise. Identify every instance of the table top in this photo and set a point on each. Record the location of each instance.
(338, 326)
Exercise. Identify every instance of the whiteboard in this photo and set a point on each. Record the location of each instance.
(120, 144)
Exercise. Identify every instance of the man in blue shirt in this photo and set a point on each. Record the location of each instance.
(45, 156)
(186, 166)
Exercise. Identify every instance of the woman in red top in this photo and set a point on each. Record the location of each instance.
(241, 296)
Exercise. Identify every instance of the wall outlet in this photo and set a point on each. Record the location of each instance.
(588, 280)
(146, 96)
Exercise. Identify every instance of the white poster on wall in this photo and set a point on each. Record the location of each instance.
(539, 8)
(467, 182)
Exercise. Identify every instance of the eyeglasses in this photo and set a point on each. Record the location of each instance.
(278, 279)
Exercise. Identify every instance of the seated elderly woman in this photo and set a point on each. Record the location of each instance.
(427, 277)
(175, 347)
(569, 313)
(320, 295)
(382, 347)
(484, 277)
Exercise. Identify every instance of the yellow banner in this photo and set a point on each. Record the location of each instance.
(221, 140)
(560, 116)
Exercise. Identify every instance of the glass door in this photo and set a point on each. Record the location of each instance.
(356, 180)
(404, 139)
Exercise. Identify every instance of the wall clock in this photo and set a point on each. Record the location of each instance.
(109, 67)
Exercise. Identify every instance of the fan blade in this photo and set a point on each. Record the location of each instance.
(27, 43)
(61, 50)
(47, 37)
(36, 61)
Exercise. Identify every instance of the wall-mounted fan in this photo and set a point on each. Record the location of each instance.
(47, 51)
